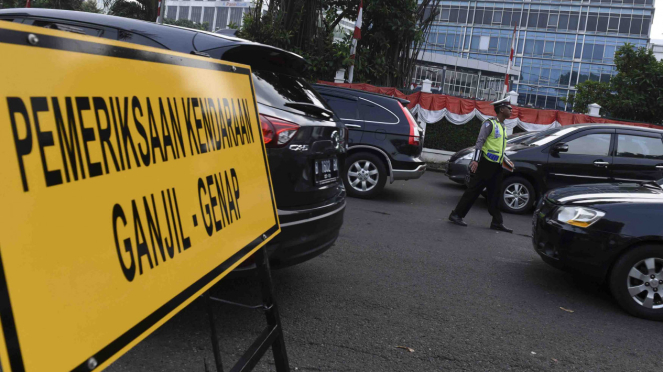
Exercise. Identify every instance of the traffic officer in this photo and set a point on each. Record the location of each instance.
(486, 167)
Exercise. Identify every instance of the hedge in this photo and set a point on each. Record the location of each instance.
(449, 137)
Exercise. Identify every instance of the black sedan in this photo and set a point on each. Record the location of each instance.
(579, 154)
(610, 232)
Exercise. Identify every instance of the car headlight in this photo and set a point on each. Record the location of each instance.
(579, 216)
(467, 157)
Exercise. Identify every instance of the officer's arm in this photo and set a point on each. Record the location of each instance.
(486, 129)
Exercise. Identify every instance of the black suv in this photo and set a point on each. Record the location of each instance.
(384, 140)
(580, 154)
(304, 141)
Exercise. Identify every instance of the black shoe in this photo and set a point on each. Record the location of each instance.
(500, 227)
(458, 220)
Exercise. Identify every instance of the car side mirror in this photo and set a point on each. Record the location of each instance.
(560, 147)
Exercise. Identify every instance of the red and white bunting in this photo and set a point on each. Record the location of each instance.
(356, 36)
(508, 67)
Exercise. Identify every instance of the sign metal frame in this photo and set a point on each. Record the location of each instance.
(32, 37)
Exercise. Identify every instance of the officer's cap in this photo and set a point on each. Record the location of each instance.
(501, 103)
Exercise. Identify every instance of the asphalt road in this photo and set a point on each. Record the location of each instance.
(468, 299)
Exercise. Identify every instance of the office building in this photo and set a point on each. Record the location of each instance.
(559, 43)
(218, 14)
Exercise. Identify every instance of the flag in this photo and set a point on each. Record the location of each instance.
(160, 16)
(353, 48)
(508, 67)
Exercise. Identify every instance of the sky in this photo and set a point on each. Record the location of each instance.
(657, 25)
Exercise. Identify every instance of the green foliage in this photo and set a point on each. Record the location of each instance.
(79, 5)
(635, 93)
(588, 93)
(449, 137)
(391, 33)
(291, 25)
(90, 6)
(389, 29)
(145, 10)
(187, 23)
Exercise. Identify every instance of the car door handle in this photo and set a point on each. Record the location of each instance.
(601, 163)
(353, 126)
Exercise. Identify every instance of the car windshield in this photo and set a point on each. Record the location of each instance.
(547, 136)
(519, 138)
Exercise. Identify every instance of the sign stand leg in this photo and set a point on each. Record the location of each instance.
(272, 313)
(272, 335)
(215, 338)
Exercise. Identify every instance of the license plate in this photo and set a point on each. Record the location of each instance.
(325, 171)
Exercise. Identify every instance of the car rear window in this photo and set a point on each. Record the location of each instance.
(277, 89)
(373, 112)
(344, 108)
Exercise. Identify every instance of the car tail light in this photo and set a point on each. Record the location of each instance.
(277, 132)
(414, 128)
(345, 137)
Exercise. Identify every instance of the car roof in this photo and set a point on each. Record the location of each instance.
(614, 126)
(172, 37)
(350, 91)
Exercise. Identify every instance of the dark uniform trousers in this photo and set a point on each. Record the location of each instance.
(488, 175)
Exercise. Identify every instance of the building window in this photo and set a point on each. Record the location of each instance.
(208, 17)
(236, 16)
(171, 12)
(184, 12)
(444, 15)
(196, 12)
(221, 18)
(497, 17)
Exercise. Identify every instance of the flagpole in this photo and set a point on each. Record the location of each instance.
(353, 48)
(508, 66)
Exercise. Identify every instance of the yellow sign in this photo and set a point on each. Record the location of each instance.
(131, 180)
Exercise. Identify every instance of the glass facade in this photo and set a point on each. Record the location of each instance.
(559, 43)
(218, 14)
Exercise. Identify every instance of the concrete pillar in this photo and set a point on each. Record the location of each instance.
(513, 97)
(594, 109)
(425, 87)
(340, 76)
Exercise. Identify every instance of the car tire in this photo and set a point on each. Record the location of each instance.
(364, 176)
(629, 275)
(517, 195)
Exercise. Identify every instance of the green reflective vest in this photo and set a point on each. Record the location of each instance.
(493, 148)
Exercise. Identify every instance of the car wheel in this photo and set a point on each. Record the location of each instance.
(517, 195)
(365, 175)
(636, 282)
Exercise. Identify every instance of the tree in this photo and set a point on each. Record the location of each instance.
(145, 10)
(305, 27)
(635, 93)
(392, 34)
(79, 5)
(90, 6)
